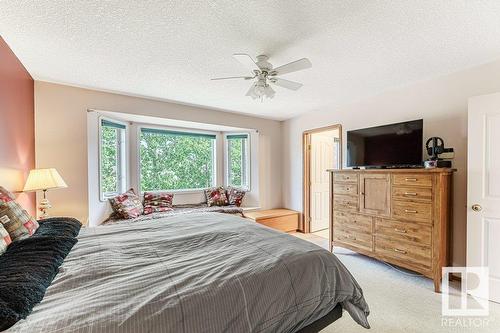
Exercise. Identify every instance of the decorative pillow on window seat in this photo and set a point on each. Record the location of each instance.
(235, 196)
(157, 202)
(17, 221)
(216, 196)
(127, 205)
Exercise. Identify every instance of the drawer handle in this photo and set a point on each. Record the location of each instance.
(413, 194)
(351, 237)
(347, 188)
(403, 231)
(411, 179)
(399, 251)
(411, 211)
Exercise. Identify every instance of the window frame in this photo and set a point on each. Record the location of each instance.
(140, 127)
(248, 164)
(122, 158)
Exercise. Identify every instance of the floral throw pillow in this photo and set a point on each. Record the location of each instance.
(14, 219)
(235, 195)
(216, 196)
(157, 202)
(4, 239)
(127, 205)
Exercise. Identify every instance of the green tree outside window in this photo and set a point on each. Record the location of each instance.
(109, 159)
(175, 161)
(237, 150)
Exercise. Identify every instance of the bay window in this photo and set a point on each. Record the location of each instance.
(169, 159)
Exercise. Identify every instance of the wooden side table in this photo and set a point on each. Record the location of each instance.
(281, 219)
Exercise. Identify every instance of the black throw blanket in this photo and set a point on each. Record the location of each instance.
(28, 267)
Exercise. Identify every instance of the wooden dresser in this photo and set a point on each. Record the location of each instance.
(400, 216)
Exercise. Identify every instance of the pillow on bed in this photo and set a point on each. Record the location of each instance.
(4, 239)
(17, 221)
(58, 227)
(216, 196)
(127, 205)
(157, 202)
(28, 268)
(235, 195)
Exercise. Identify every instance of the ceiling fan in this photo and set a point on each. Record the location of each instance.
(264, 73)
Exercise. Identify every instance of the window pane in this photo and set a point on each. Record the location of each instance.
(237, 161)
(175, 162)
(109, 159)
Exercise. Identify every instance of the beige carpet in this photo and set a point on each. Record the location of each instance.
(400, 302)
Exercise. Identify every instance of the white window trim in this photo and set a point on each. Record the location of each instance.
(122, 155)
(248, 161)
(176, 129)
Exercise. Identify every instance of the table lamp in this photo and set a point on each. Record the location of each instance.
(43, 180)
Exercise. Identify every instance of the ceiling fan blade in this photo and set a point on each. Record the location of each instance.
(232, 77)
(297, 65)
(246, 60)
(286, 83)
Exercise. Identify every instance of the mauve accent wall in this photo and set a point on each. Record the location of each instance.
(17, 119)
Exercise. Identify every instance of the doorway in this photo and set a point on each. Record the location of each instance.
(322, 151)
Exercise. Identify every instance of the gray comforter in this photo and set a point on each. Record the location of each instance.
(194, 273)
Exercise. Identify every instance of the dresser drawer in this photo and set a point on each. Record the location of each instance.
(353, 238)
(345, 177)
(347, 189)
(344, 202)
(413, 211)
(408, 255)
(353, 221)
(404, 231)
(412, 179)
(423, 194)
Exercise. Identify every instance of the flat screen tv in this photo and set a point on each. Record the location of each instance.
(394, 145)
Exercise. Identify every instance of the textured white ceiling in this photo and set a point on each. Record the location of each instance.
(170, 49)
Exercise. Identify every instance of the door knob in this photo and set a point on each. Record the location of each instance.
(477, 208)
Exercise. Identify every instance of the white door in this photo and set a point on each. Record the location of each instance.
(483, 199)
(323, 157)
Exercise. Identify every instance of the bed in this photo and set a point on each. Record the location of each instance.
(205, 272)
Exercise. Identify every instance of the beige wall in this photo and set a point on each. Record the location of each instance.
(441, 102)
(61, 139)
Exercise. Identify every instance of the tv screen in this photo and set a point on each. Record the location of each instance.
(386, 146)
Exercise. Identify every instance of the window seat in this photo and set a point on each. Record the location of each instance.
(182, 209)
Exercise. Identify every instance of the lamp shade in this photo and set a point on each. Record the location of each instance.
(43, 179)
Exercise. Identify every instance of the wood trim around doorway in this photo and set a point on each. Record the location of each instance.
(305, 225)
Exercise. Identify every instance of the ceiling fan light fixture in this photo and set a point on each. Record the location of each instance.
(251, 92)
(263, 71)
(269, 92)
(260, 88)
